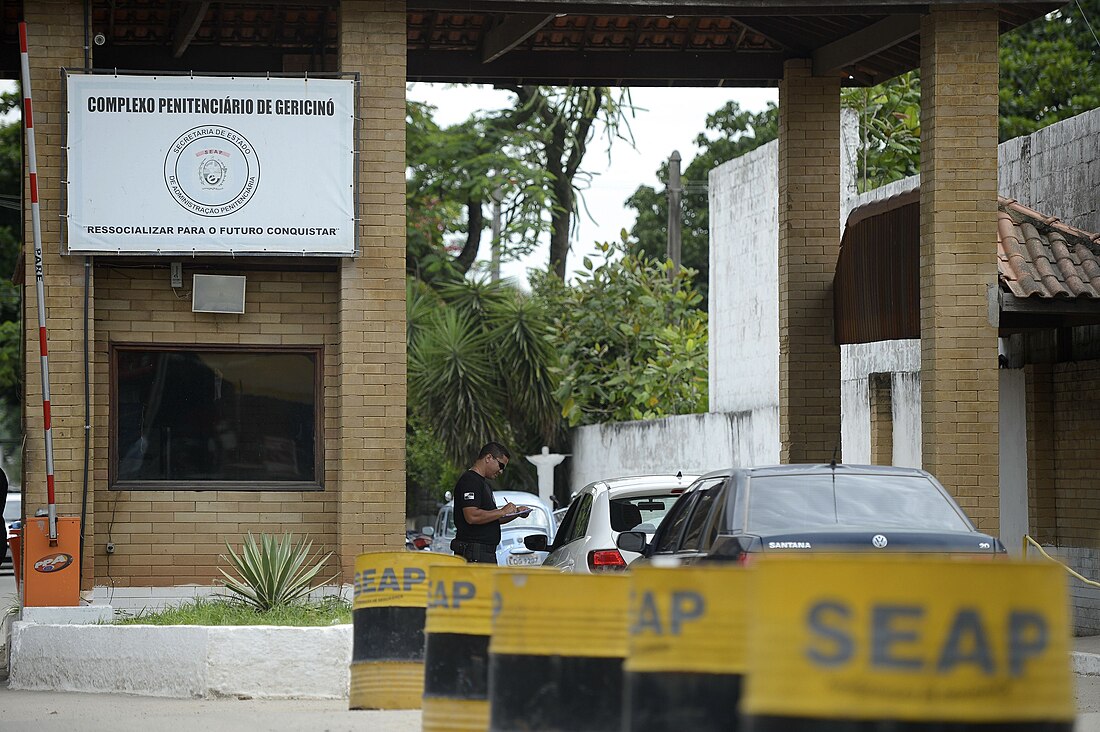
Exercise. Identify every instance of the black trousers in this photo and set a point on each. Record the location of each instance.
(473, 552)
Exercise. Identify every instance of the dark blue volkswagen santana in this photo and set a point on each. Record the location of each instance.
(734, 514)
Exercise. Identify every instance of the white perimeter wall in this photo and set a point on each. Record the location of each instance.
(744, 283)
(742, 427)
(691, 443)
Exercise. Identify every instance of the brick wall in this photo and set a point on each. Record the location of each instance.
(1076, 402)
(809, 243)
(882, 420)
(1041, 496)
(174, 537)
(370, 355)
(959, 399)
(357, 311)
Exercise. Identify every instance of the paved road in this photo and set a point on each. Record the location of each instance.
(41, 711)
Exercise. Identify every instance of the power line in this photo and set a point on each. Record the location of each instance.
(1086, 19)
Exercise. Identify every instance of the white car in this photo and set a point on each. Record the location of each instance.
(602, 510)
(12, 510)
(511, 550)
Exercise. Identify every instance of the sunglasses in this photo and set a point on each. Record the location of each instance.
(500, 465)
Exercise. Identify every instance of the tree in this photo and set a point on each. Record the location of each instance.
(889, 130)
(453, 171)
(479, 366)
(631, 342)
(1050, 69)
(11, 216)
(738, 132)
(560, 123)
(532, 151)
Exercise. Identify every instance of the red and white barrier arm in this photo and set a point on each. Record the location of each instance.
(28, 123)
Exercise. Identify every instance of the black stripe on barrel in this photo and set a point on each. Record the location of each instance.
(456, 665)
(801, 724)
(556, 654)
(685, 661)
(387, 634)
(576, 694)
(674, 701)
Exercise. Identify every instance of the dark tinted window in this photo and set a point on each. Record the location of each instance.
(699, 515)
(576, 521)
(213, 416)
(668, 535)
(783, 502)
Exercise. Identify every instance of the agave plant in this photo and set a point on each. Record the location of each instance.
(274, 572)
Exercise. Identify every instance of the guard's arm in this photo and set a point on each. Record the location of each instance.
(474, 515)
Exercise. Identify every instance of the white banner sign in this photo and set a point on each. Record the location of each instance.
(209, 165)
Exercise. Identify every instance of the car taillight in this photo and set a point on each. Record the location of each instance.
(602, 560)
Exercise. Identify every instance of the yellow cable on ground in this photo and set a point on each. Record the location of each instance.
(1029, 540)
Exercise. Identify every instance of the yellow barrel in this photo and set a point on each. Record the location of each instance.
(387, 655)
(456, 648)
(556, 652)
(851, 644)
(686, 656)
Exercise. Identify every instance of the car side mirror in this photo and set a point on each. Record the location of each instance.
(428, 531)
(536, 542)
(632, 541)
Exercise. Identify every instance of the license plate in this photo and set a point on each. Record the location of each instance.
(519, 559)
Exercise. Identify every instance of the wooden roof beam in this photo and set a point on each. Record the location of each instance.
(514, 30)
(641, 68)
(875, 38)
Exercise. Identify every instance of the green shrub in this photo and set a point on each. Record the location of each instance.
(274, 572)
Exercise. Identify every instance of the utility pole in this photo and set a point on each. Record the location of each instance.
(675, 196)
(494, 267)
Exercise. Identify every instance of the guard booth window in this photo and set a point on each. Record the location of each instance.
(207, 418)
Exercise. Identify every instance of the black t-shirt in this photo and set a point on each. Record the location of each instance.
(473, 490)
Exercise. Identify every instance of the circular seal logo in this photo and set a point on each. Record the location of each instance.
(212, 170)
(878, 541)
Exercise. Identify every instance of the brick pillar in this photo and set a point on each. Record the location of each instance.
(959, 394)
(809, 242)
(369, 452)
(55, 30)
(882, 420)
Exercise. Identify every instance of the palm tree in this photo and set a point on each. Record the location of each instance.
(480, 366)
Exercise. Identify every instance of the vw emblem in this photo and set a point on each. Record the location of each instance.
(879, 541)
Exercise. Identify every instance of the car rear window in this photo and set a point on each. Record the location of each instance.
(640, 513)
(534, 520)
(785, 502)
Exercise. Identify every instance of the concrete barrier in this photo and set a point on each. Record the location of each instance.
(185, 661)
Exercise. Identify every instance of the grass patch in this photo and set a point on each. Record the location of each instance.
(222, 611)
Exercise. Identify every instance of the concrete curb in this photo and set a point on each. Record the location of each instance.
(262, 662)
(1086, 664)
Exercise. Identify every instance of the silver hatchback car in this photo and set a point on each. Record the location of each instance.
(599, 512)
